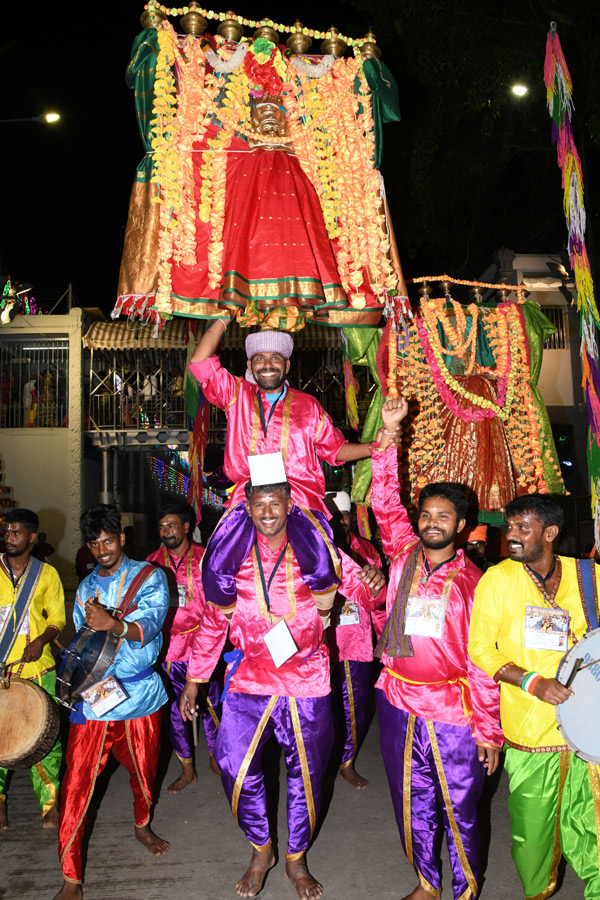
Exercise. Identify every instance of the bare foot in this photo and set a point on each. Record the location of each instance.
(253, 878)
(419, 893)
(307, 887)
(188, 776)
(349, 774)
(157, 846)
(3, 815)
(70, 891)
(212, 765)
(50, 820)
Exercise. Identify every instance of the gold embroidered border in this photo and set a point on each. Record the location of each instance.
(255, 426)
(285, 425)
(406, 789)
(50, 787)
(210, 707)
(310, 803)
(262, 847)
(565, 762)
(467, 871)
(319, 428)
(351, 705)
(137, 770)
(235, 396)
(294, 856)
(560, 748)
(87, 802)
(337, 566)
(594, 774)
(435, 892)
(239, 781)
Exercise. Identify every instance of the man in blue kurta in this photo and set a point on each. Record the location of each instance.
(138, 595)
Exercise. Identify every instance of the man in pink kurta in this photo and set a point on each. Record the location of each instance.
(438, 713)
(265, 415)
(179, 558)
(267, 696)
(351, 640)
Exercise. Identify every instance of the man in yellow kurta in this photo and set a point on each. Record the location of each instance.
(554, 801)
(32, 614)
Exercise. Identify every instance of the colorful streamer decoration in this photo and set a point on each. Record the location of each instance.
(560, 104)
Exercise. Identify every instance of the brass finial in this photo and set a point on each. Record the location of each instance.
(266, 30)
(297, 41)
(334, 45)
(150, 20)
(425, 290)
(193, 22)
(230, 29)
(370, 48)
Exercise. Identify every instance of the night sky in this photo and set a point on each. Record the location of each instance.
(66, 187)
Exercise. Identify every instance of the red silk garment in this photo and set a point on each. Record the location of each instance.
(477, 453)
(135, 743)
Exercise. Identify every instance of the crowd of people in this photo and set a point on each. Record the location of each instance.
(251, 634)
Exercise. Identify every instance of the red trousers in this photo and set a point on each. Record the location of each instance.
(135, 743)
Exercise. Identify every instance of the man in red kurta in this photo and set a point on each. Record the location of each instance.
(277, 684)
(438, 713)
(179, 558)
(265, 415)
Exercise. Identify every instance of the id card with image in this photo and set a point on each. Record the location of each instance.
(546, 629)
(425, 615)
(349, 614)
(280, 643)
(182, 594)
(105, 695)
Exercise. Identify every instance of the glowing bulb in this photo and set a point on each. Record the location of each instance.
(51, 117)
(519, 90)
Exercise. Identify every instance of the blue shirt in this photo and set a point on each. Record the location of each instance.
(133, 657)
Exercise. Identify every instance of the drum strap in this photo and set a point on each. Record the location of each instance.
(127, 605)
(586, 579)
(14, 621)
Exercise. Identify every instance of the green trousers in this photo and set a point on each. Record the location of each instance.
(44, 775)
(554, 807)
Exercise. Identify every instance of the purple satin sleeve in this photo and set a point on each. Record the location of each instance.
(231, 543)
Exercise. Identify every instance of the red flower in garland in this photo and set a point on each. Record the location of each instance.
(263, 75)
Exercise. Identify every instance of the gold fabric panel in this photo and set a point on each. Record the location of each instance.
(139, 264)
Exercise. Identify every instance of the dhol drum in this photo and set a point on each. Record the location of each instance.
(577, 718)
(30, 723)
(84, 662)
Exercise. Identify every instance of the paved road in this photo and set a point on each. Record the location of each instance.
(357, 853)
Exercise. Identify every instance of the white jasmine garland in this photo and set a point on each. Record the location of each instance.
(227, 66)
(313, 70)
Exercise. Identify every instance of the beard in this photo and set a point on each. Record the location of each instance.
(518, 553)
(271, 382)
(439, 542)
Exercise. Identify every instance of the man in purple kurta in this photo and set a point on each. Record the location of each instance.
(351, 640)
(179, 558)
(438, 712)
(271, 693)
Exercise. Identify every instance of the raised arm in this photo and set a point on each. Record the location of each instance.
(210, 340)
(396, 530)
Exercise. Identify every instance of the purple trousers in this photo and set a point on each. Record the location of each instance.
(303, 727)
(435, 781)
(353, 681)
(209, 701)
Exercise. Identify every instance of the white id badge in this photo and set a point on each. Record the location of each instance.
(5, 611)
(425, 616)
(349, 614)
(280, 643)
(267, 468)
(105, 695)
(182, 594)
(546, 629)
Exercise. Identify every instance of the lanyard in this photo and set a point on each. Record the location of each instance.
(15, 583)
(439, 565)
(176, 565)
(265, 424)
(266, 586)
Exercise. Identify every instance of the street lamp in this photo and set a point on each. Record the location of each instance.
(48, 118)
(519, 90)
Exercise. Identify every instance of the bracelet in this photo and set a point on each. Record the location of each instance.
(125, 629)
(502, 670)
(391, 432)
(528, 682)
(532, 684)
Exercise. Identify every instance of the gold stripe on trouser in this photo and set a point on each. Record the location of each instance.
(137, 772)
(50, 787)
(237, 788)
(351, 704)
(467, 871)
(565, 762)
(310, 804)
(211, 708)
(594, 773)
(406, 788)
(89, 797)
(434, 892)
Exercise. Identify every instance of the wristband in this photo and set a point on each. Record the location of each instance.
(125, 629)
(392, 433)
(526, 681)
(532, 684)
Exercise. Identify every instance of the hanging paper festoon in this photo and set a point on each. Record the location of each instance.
(560, 104)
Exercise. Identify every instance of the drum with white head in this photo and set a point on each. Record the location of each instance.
(577, 718)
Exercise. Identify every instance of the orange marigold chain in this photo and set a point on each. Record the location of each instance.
(518, 288)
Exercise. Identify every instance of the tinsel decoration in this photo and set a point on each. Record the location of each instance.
(560, 105)
(362, 521)
(350, 391)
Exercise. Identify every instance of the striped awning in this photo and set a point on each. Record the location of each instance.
(174, 335)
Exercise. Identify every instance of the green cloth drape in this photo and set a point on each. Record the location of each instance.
(140, 76)
(362, 351)
(385, 103)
